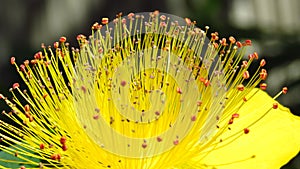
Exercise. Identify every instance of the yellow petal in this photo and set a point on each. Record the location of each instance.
(274, 137)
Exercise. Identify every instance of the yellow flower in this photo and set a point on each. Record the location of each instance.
(147, 90)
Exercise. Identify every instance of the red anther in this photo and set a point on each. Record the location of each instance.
(275, 105)
(27, 108)
(245, 64)
(64, 147)
(246, 130)
(263, 86)
(62, 39)
(38, 55)
(246, 75)
(213, 36)
(284, 90)
(193, 118)
(58, 156)
(1, 96)
(188, 21)
(16, 85)
(215, 45)
(232, 40)
(130, 15)
(162, 24)
(176, 142)
(123, 83)
(54, 157)
(95, 26)
(206, 82)
(31, 118)
(22, 67)
(159, 139)
(235, 115)
(201, 79)
(199, 103)
(248, 42)
(104, 21)
(63, 140)
(255, 55)
(263, 62)
(178, 90)
(230, 121)
(16, 154)
(250, 56)
(26, 62)
(223, 42)
(34, 61)
(27, 114)
(12, 60)
(45, 95)
(263, 74)
(56, 45)
(22, 167)
(42, 146)
(96, 116)
(239, 44)
(79, 37)
(240, 87)
(144, 145)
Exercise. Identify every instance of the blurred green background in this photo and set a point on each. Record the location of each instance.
(272, 25)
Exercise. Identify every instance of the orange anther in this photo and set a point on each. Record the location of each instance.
(255, 55)
(263, 62)
(246, 130)
(245, 64)
(12, 60)
(230, 121)
(235, 115)
(240, 87)
(232, 40)
(63, 140)
(239, 44)
(16, 85)
(206, 83)
(62, 39)
(22, 67)
(223, 42)
(38, 55)
(104, 21)
(26, 62)
(284, 90)
(64, 147)
(188, 21)
(246, 75)
(275, 105)
(263, 74)
(42, 146)
(263, 86)
(178, 90)
(55, 45)
(248, 42)
(27, 108)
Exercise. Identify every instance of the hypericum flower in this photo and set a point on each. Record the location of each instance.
(146, 91)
